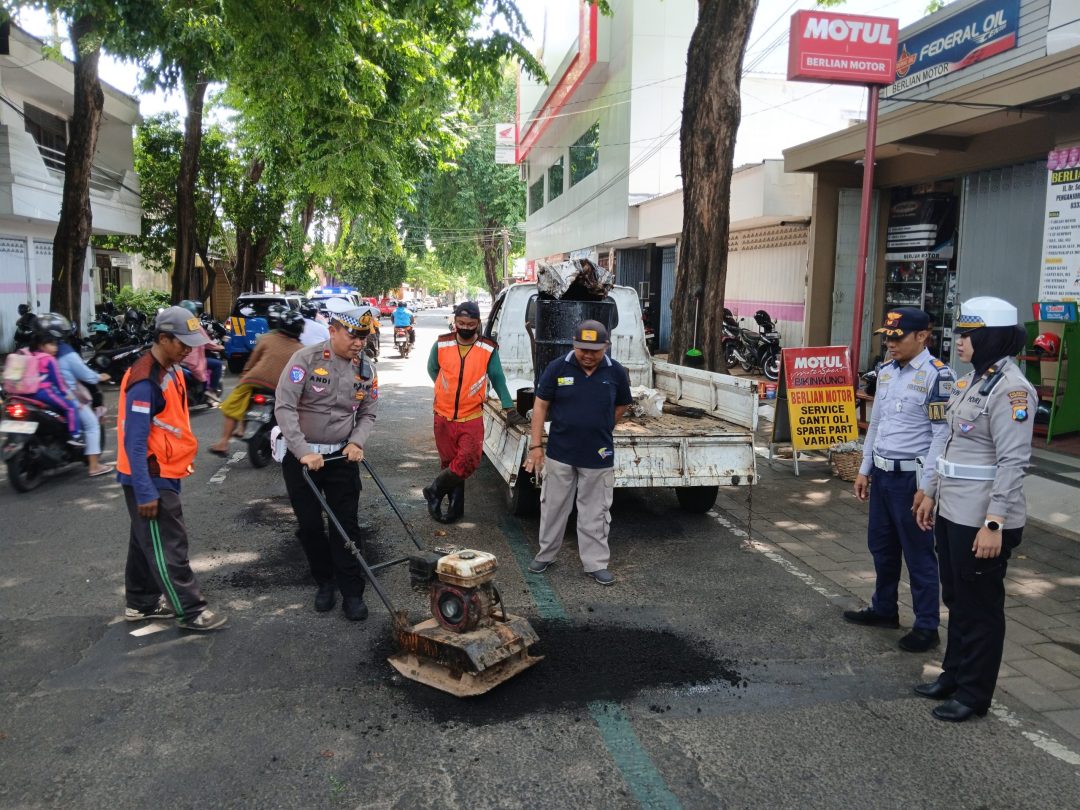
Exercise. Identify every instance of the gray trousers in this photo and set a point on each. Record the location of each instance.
(594, 489)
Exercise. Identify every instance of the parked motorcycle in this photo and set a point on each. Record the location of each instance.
(753, 349)
(258, 422)
(35, 442)
(401, 341)
(115, 362)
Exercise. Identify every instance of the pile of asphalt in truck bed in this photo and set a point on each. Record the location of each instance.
(583, 662)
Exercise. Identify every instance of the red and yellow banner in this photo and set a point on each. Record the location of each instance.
(820, 397)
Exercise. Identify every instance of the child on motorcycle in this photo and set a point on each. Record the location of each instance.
(52, 391)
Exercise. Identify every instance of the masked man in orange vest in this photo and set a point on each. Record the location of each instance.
(155, 451)
(461, 365)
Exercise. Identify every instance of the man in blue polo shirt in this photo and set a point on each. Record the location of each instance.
(584, 394)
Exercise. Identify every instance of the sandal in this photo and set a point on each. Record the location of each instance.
(105, 469)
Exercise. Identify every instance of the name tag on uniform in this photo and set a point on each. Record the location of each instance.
(566, 380)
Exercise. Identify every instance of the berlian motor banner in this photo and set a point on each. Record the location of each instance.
(1060, 279)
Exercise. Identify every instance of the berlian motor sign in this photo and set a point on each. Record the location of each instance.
(842, 48)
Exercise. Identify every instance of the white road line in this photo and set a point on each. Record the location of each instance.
(219, 476)
(149, 629)
(1041, 740)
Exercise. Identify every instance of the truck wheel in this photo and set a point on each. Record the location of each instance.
(236, 363)
(523, 499)
(696, 500)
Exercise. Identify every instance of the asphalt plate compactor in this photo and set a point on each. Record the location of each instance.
(471, 643)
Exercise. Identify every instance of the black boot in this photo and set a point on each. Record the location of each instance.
(455, 507)
(445, 483)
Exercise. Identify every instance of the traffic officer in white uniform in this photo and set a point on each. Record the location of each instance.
(978, 489)
(325, 406)
(906, 434)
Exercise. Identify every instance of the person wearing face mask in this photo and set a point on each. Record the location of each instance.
(461, 365)
(977, 488)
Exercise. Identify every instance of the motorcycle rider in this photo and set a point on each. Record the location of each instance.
(24, 326)
(314, 330)
(75, 371)
(50, 332)
(262, 370)
(200, 367)
(403, 319)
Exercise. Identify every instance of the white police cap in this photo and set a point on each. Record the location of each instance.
(985, 311)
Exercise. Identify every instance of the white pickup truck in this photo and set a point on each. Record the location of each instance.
(694, 455)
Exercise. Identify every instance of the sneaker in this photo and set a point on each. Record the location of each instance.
(603, 576)
(537, 567)
(207, 620)
(870, 618)
(162, 610)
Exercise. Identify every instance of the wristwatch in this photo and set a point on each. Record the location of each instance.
(992, 525)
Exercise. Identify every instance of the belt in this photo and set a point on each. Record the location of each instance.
(970, 472)
(896, 464)
(326, 449)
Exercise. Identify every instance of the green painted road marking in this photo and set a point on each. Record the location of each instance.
(618, 734)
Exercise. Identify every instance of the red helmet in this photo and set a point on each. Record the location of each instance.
(1047, 344)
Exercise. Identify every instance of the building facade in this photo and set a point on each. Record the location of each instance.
(986, 91)
(37, 103)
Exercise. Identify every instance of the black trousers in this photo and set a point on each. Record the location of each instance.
(974, 592)
(157, 560)
(329, 559)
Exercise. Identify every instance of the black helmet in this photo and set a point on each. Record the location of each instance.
(274, 314)
(194, 307)
(291, 323)
(24, 309)
(51, 326)
(309, 309)
(763, 319)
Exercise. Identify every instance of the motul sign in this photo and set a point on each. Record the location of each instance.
(843, 48)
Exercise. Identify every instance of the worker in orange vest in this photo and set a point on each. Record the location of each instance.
(155, 451)
(461, 365)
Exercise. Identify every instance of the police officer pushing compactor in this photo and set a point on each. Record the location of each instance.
(978, 488)
(906, 433)
(326, 400)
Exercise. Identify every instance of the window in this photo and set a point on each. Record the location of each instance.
(555, 179)
(536, 196)
(585, 155)
(49, 133)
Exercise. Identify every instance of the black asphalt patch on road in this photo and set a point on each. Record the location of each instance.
(582, 663)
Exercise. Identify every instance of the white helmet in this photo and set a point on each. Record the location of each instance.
(984, 311)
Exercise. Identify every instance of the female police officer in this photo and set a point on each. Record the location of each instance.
(979, 489)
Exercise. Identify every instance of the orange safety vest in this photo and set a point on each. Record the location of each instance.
(461, 386)
(171, 446)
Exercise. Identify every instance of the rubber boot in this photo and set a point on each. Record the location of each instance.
(445, 483)
(455, 507)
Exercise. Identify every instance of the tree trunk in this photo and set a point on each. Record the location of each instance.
(243, 277)
(185, 283)
(74, 229)
(711, 113)
(490, 244)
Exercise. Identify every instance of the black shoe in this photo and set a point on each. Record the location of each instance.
(919, 640)
(444, 484)
(354, 608)
(325, 596)
(455, 506)
(953, 711)
(869, 618)
(935, 690)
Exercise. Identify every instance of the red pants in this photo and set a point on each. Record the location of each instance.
(460, 444)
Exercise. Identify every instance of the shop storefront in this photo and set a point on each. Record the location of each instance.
(986, 92)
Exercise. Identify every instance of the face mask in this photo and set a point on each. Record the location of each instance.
(467, 334)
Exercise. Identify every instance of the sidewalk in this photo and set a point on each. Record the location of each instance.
(816, 519)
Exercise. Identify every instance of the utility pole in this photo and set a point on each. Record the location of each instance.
(506, 256)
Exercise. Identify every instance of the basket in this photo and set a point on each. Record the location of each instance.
(845, 464)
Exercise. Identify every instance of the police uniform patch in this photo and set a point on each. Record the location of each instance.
(936, 411)
(945, 388)
(318, 389)
(920, 378)
(297, 374)
(322, 372)
(965, 427)
(374, 392)
(1019, 413)
(937, 363)
(961, 385)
